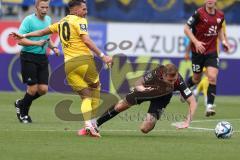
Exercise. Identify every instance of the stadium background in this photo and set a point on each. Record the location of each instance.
(148, 31)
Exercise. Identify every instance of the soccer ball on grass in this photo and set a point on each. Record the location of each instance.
(223, 130)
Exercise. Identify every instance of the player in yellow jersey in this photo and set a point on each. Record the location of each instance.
(202, 87)
(80, 67)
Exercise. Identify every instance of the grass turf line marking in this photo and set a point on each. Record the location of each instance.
(199, 128)
(196, 129)
(206, 129)
(214, 120)
(193, 129)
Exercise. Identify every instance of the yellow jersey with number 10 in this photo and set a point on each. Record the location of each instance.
(70, 29)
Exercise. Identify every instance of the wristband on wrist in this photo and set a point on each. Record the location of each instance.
(101, 55)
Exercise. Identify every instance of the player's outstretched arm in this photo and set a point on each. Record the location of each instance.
(191, 111)
(27, 42)
(22, 38)
(92, 46)
(192, 108)
(38, 33)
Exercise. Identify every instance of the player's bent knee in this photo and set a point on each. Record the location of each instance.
(122, 105)
(212, 79)
(42, 90)
(32, 90)
(146, 129)
(95, 85)
(196, 80)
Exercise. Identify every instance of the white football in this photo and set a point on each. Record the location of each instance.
(224, 130)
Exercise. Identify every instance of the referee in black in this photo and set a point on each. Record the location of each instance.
(34, 62)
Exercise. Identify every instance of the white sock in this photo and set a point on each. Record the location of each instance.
(209, 106)
(88, 123)
(94, 121)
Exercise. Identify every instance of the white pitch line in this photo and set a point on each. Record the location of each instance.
(214, 120)
(195, 129)
(199, 128)
(104, 130)
(205, 129)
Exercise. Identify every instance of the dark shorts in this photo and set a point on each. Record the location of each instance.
(157, 104)
(200, 60)
(34, 68)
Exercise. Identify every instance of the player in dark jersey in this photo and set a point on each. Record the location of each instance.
(157, 87)
(203, 28)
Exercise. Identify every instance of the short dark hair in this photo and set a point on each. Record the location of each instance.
(73, 3)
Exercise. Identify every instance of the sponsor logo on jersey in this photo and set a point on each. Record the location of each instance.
(83, 27)
(212, 31)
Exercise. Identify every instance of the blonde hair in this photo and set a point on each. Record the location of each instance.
(170, 70)
(38, 1)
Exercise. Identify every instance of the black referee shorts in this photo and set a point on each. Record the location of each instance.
(157, 104)
(34, 68)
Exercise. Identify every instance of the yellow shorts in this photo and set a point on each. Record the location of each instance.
(81, 73)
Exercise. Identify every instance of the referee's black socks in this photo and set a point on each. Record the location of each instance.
(107, 116)
(26, 103)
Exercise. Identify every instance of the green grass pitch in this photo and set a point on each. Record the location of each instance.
(53, 139)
